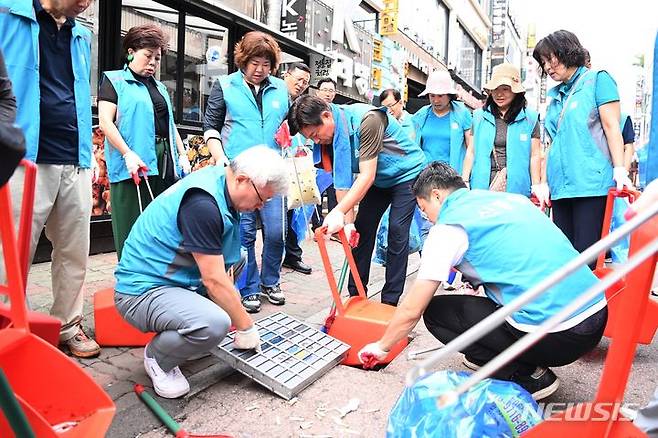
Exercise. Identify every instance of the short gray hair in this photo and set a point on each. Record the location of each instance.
(264, 167)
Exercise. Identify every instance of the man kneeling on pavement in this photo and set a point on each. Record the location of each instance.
(504, 243)
(176, 274)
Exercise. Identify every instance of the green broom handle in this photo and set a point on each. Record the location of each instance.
(12, 409)
(157, 409)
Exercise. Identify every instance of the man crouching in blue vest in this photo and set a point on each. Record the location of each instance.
(176, 275)
(502, 242)
(362, 139)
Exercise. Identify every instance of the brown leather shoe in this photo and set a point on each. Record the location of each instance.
(82, 345)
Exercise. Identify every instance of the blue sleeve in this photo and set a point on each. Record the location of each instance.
(467, 121)
(200, 222)
(628, 133)
(606, 89)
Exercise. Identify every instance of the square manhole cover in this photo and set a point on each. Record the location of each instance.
(293, 355)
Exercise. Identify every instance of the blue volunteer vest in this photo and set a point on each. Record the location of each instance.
(135, 121)
(408, 125)
(460, 121)
(400, 159)
(19, 42)
(512, 247)
(519, 134)
(244, 125)
(152, 256)
(578, 163)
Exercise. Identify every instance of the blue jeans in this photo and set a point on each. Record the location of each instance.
(273, 217)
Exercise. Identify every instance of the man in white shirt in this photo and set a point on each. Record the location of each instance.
(502, 242)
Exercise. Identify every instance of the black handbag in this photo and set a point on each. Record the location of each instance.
(12, 150)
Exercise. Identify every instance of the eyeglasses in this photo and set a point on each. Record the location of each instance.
(391, 105)
(257, 192)
(299, 80)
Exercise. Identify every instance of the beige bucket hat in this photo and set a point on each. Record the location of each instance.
(505, 74)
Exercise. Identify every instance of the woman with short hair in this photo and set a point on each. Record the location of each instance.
(245, 109)
(586, 152)
(136, 116)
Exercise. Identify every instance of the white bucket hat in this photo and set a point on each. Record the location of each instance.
(439, 82)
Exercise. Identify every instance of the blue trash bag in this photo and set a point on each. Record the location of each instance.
(619, 252)
(301, 217)
(381, 245)
(491, 409)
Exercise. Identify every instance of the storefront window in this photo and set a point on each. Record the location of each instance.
(138, 12)
(206, 46)
(469, 59)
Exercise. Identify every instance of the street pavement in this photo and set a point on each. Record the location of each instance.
(222, 401)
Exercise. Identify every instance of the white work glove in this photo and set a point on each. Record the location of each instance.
(542, 193)
(184, 163)
(349, 230)
(95, 170)
(247, 339)
(334, 221)
(620, 175)
(133, 162)
(370, 352)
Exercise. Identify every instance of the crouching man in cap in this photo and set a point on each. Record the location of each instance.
(176, 274)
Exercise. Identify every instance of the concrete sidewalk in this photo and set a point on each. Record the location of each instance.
(223, 401)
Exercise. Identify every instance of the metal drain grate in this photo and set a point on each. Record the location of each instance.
(293, 355)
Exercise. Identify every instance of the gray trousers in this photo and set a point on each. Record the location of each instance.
(62, 202)
(647, 417)
(187, 322)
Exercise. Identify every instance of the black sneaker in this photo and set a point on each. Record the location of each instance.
(470, 363)
(273, 294)
(542, 383)
(251, 303)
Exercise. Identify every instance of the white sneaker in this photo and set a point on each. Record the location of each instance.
(168, 385)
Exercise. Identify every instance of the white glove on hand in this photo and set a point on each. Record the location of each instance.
(247, 339)
(95, 170)
(334, 221)
(133, 162)
(620, 175)
(542, 193)
(375, 350)
(184, 163)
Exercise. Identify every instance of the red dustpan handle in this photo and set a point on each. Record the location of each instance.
(331, 278)
(15, 286)
(632, 195)
(27, 208)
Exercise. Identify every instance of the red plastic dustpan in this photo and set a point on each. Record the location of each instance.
(58, 398)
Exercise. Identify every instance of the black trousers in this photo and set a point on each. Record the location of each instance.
(581, 220)
(293, 250)
(448, 316)
(371, 209)
(332, 202)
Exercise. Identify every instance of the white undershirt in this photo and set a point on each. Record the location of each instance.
(444, 248)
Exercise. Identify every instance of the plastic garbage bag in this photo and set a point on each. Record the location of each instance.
(381, 244)
(491, 409)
